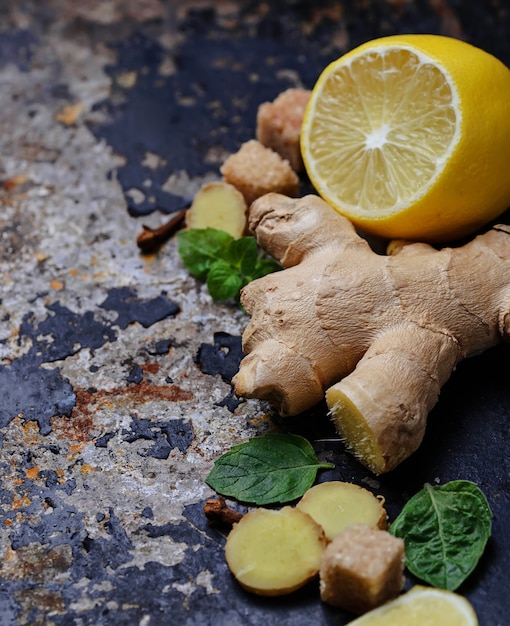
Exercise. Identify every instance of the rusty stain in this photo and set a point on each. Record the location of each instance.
(148, 257)
(86, 401)
(78, 447)
(37, 563)
(52, 602)
(70, 113)
(31, 473)
(30, 430)
(86, 469)
(57, 285)
(151, 368)
(11, 183)
(80, 426)
(21, 501)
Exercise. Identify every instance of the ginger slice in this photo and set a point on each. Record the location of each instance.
(218, 205)
(274, 552)
(362, 568)
(335, 505)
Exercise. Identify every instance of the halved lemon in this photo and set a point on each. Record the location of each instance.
(422, 606)
(409, 137)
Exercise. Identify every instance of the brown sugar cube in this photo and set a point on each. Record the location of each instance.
(362, 568)
(279, 124)
(256, 170)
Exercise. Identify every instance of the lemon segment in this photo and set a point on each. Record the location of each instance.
(409, 137)
(422, 606)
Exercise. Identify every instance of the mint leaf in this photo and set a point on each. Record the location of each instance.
(242, 254)
(270, 469)
(263, 267)
(445, 530)
(222, 282)
(227, 264)
(199, 248)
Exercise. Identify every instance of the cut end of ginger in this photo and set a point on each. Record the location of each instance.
(354, 430)
(275, 552)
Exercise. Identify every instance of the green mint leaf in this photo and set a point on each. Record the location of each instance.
(223, 281)
(200, 248)
(264, 266)
(242, 254)
(270, 469)
(227, 264)
(445, 530)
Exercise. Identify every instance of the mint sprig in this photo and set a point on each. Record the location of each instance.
(225, 263)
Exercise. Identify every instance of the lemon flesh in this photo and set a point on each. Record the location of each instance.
(390, 139)
(409, 137)
(422, 606)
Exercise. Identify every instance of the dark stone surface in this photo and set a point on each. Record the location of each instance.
(95, 453)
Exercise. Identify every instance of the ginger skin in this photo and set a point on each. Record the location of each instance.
(379, 335)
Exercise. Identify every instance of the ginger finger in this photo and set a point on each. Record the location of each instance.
(384, 422)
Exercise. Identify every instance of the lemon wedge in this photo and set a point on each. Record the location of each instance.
(422, 606)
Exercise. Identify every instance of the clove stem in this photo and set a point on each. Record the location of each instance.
(150, 239)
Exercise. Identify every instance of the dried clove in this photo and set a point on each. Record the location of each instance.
(219, 513)
(150, 239)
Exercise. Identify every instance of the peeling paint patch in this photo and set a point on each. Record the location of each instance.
(222, 357)
(165, 435)
(129, 308)
(33, 393)
(64, 332)
(162, 107)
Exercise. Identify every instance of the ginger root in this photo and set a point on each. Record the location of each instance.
(378, 334)
(274, 552)
(335, 505)
(218, 205)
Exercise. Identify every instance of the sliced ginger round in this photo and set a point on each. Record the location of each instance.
(218, 205)
(274, 552)
(409, 137)
(422, 606)
(336, 505)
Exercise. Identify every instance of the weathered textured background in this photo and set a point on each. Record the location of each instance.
(115, 367)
